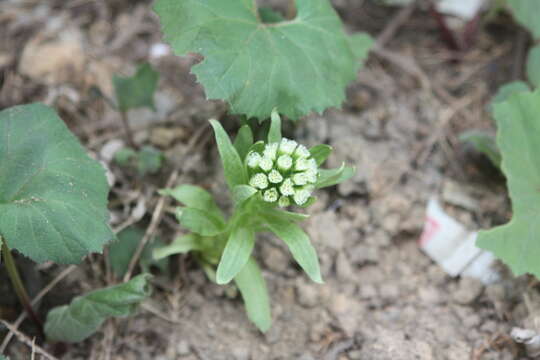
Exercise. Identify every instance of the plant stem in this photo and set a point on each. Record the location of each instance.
(18, 285)
(127, 129)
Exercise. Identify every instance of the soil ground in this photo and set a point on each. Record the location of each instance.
(383, 297)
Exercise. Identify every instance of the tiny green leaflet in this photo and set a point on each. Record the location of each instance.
(137, 90)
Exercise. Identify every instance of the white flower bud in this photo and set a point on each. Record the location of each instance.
(287, 188)
(253, 159)
(301, 196)
(284, 201)
(270, 151)
(300, 179)
(287, 146)
(259, 181)
(266, 163)
(302, 152)
(275, 177)
(311, 175)
(284, 162)
(301, 164)
(312, 164)
(270, 195)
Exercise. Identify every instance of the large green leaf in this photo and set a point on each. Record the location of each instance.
(533, 64)
(518, 242)
(252, 286)
(298, 242)
(484, 143)
(508, 89)
(137, 90)
(84, 316)
(53, 196)
(236, 253)
(298, 66)
(526, 13)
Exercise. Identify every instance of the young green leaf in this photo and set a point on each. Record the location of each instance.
(200, 222)
(124, 156)
(506, 90)
(274, 134)
(300, 66)
(298, 243)
(236, 254)
(516, 243)
(194, 197)
(137, 90)
(533, 64)
(243, 141)
(121, 251)
(252, 286)
(149, 160)
(84, 316)
(320, 153)
(180, 245)
(484, 143)
(526, 13)
(234, 170)
(329, 177)
(53, 196)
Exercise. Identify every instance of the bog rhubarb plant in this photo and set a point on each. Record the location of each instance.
(264, 178)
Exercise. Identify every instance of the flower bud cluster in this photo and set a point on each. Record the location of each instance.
(283, 172)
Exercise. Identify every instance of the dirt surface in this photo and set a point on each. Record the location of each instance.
(383, 298)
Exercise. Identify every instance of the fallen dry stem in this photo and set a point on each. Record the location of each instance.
(26, 340)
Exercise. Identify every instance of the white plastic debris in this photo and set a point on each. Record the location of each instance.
(464, 9)
(159, 50)
(530, 338)
(110, 148)
(453, 247)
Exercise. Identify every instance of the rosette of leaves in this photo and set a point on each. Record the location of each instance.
(263, 178)
(255, 60)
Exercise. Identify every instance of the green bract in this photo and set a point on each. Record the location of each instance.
(299, 66)
(260, 177)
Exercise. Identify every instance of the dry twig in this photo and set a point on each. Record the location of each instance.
(26, 340)
(39, 296)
